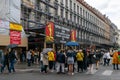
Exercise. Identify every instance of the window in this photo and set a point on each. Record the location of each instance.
(81, 11)
(66, 15)
(75, 18)
(61, 13)
(66, 2)
(77, 9)
(70, 4)
(74, 7)
(71, 16)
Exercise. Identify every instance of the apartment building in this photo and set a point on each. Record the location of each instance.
(90, 25)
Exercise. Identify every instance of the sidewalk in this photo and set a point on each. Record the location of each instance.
(22, 67)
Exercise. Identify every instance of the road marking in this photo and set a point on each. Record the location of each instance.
(107, 72)
(93, 72)
(26, 70)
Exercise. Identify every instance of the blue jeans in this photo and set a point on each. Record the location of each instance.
(29, 62)
(4, 65)
(12, 65)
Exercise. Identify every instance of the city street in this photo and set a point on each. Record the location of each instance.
(103, 73)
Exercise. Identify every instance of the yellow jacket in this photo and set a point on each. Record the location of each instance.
(51, 56)
(115, 58)
(79, 56)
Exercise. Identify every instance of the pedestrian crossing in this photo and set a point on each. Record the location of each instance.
(107, 72)
(102, 73)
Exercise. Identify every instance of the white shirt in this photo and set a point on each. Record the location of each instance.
(29, 55)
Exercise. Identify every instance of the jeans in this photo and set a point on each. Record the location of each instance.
(29, 62)
(12, 65)
(62, 67)
(4, 65)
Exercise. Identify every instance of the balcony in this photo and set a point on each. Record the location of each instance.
(56, 5)
(28, 4)
(48, 3)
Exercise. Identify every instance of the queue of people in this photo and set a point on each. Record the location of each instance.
(62, 61)
(68, 59)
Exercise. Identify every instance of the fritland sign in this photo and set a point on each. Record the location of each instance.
(15, 37)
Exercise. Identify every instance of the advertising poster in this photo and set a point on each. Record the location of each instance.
(49, 31)
(73, 35)
(15, 37)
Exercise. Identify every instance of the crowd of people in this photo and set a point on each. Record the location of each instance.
(61, 61)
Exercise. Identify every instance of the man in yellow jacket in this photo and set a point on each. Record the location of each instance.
(51, 59)
(79, 57)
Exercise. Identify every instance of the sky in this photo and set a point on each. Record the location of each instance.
(109, 7)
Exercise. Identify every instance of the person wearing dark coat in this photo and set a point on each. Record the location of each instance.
(12, 57)
(60, 61)
(91, 57)
(85, 60)
(6, 61)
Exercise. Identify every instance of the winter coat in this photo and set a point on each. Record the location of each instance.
(45, 59)
(51, 56)
(80, 56)
(12, 56)
(60, 58)
(115, 58)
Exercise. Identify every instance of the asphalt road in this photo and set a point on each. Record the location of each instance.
(103, 73)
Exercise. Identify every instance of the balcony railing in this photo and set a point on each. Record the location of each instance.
(28, 4)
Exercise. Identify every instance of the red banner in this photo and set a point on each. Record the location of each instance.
(15, 37)
(49, 31)
(73, 35)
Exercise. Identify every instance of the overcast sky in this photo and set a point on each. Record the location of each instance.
(109, 7)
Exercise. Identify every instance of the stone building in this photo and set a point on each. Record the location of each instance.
(92, 27)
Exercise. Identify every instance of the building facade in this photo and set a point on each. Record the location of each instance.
(92, 28)
(11, 31)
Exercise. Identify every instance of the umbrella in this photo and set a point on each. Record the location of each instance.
(46, 50)
(12, 45)
(72, 44)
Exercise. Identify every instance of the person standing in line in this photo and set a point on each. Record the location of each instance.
(80, 57)
(98, 56)
(91, 61)
(115, 61)
(41, 61)
(29, 57)
(6, 61)
(70, 60)
(12, 57)
(85, 59)
(45, 62)
(60, 61)
(105, 58)
(108, 58)
(51, 60)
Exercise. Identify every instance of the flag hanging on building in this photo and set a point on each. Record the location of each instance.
(49, 31)
(73, 35)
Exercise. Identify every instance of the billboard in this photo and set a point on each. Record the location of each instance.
(15, 37)
(49, 31)
(62, 34)
(73, 35)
